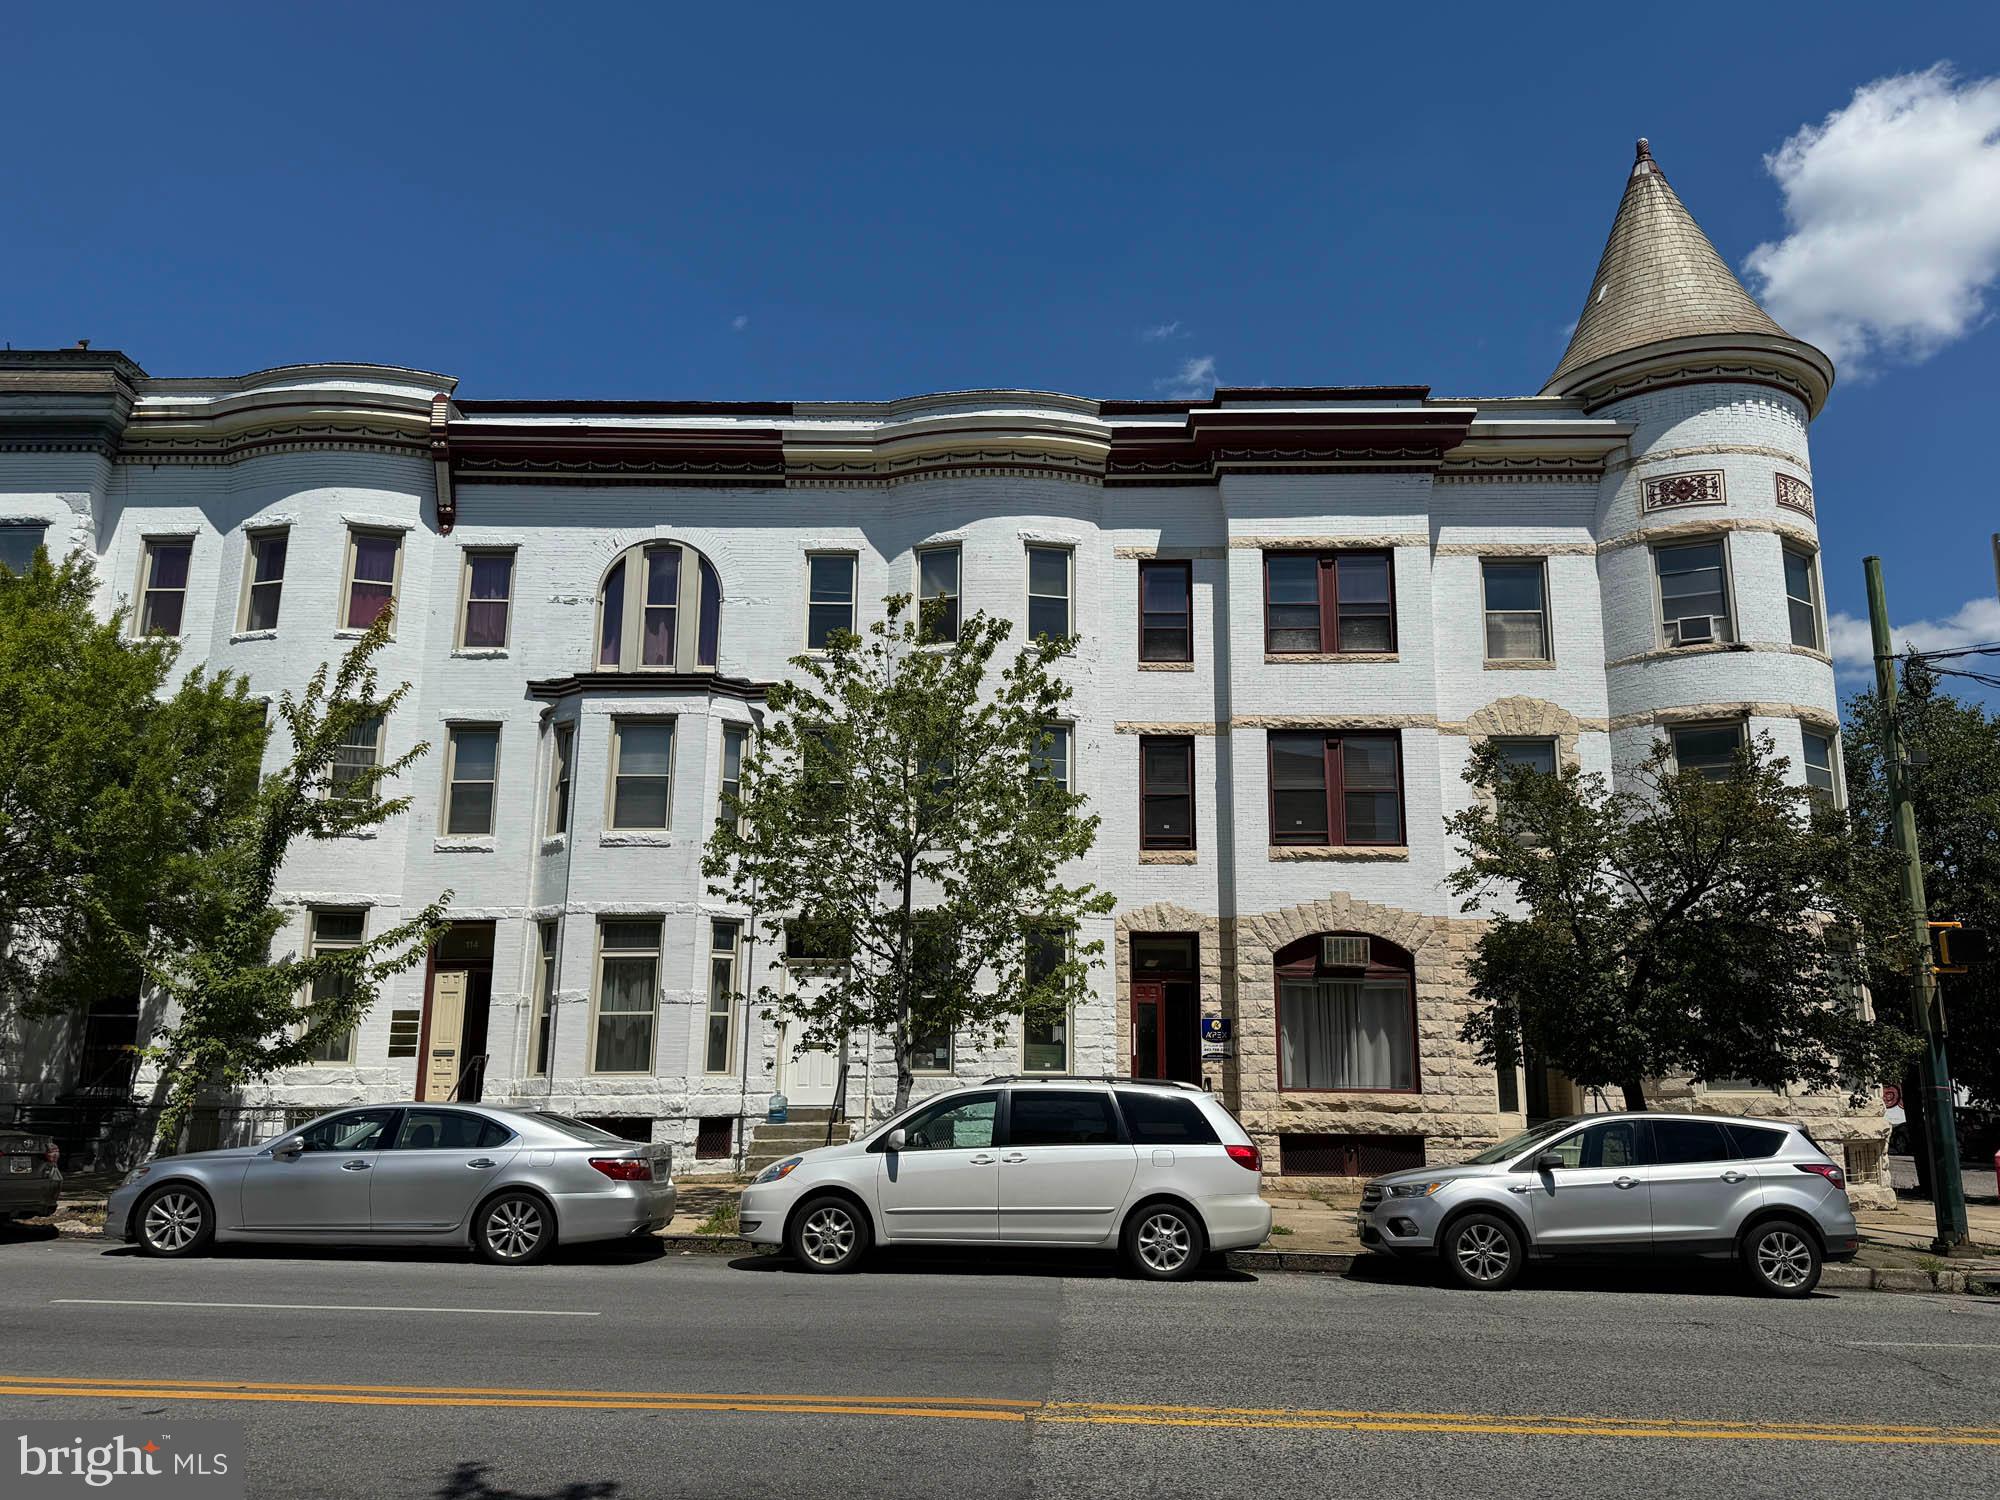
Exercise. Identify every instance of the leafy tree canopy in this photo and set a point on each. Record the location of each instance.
(898, 811)
(1677, 926)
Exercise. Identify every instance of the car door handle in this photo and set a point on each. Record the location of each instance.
(984, 1159)
(354, 1166)
(1732, 1176)
(1626, 1182)
(1517, 1187)
(483, 1161)
(1012, 1156)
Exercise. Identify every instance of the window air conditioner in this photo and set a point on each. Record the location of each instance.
(1690, 630)
(1343, 952)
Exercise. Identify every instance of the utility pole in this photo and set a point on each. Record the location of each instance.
(1927, 1009)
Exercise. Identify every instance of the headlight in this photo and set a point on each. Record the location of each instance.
(137, 1172)
(777, 1169)
(1414, 1189)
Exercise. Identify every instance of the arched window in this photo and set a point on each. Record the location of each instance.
(659, 610)
(1347, 1014)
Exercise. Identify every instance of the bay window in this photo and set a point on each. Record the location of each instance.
(628, 983)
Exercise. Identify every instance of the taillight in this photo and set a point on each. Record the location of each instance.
(1246, 1156)
(624, 1168)
(1825, 1169)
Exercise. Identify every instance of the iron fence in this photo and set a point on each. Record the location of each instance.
(114, 1135)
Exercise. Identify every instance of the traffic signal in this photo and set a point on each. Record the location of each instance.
(1956, 947)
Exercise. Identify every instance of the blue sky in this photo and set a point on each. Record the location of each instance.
(856, 202)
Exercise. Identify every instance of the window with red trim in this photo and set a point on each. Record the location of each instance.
(1166, 611)
(1336, 789)
(1322, 602)
(1166, 792)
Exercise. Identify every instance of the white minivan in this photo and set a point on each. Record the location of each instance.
(1160, 1170)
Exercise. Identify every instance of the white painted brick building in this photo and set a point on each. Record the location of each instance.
(1522, 544)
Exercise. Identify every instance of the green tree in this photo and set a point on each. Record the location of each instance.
(238, 1013)
(1955, 793)
(897, 811)
(1676, 927)
(118, 790)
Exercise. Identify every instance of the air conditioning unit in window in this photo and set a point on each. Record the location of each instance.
(1693, 630)
(1343, 952)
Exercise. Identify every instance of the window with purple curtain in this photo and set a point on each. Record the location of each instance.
(489, 585)
(372, 582)
(611, 629)
(663, 595)
(711, 615)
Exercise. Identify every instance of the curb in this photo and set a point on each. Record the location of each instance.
(706, 1244)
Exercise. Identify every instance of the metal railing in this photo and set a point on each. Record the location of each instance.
(114, 1135)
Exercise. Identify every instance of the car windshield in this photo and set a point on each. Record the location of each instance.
(1514, 1145)
(579, 1130)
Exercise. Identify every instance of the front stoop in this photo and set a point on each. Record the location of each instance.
(802, 1130)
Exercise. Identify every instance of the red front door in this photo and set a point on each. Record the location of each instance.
(1149, 1030)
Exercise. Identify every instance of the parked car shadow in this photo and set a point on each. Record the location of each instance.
(637, 1251)
(469, 1481)
(15, 1232)
(1683, 1278)
(983, 1260)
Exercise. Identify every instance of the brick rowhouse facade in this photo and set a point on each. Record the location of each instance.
(1577, 572)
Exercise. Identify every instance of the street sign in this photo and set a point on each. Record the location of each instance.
(1216, 1028)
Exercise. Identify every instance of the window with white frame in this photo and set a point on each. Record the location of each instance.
(488, 586)
(1709, 750)
(1694, 593)
(1802, 598)
(1822, 777)
(562, 757)
(163, 581)
(659, 609)
(542, 1025)
(18, 541)
(1538, 755)
(374, 568)
(333, 930)
(358, 753)
(1053, 756)
(1045, 1041)
(628, 986)
(1517, 611)
(264, 579)
(1049, 573)
(471, 775)
(642, 759)
(938, 581)
(829, 597)
(728, 809)
(723, 940)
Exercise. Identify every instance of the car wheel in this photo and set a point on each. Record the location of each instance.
(175, 1221)
(1783, 1259)
(828, 1234)
(514, 1229)
(1483, 1252)
(1164, 1242)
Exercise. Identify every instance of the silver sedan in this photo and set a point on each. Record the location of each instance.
(510, 1183)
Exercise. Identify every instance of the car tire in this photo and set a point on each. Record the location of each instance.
(514, 1229)
(1782, 1258)
(1164, 1242)
(828, 1234)
(1483, 1253)
(174, 1222)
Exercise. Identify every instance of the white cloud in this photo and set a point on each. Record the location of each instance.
(1161, 332)
(740, 322)
(1194, 379)
(1893, 204)
(1973, 623)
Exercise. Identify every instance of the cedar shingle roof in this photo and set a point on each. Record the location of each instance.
(1659, 278)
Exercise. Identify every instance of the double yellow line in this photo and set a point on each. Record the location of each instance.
(998, 1409)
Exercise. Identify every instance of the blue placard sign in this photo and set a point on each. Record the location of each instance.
(1215, 1028)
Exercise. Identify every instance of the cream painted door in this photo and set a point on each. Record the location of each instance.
(810, 1077)
(442, 1060)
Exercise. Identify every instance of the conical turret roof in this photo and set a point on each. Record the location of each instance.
(1659, 279)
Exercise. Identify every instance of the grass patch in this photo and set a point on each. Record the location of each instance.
(721, 1220)
(1278, 1229)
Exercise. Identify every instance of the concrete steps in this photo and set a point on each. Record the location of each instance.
(802, 1131)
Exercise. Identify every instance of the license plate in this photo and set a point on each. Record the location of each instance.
(20, 1165)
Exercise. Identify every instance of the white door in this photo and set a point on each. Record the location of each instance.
(810, 1076)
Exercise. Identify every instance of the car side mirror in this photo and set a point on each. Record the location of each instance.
(894, 1140)
(1548, 1161)
(290, 1150)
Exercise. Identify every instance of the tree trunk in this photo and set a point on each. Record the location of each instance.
(1635, 1094)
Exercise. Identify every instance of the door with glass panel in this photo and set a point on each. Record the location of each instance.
(944, 1183)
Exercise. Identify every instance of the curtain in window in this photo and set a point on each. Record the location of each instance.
(1345, 1034)
(625, 1016)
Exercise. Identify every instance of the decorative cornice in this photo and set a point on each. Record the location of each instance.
(1334, 721)
(711, 683)
(447, 502)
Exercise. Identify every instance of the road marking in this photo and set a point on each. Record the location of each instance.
(1898, 1344)
(999, 1409)
(511, 1312)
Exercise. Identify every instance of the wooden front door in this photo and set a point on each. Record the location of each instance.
(443, 1055)
(1149, 1028)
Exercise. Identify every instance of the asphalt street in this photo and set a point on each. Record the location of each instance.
(622, 1376)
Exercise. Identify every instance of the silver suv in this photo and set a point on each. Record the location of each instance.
(1756, 1191)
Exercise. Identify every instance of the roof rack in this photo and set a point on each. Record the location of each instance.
(1163, 1083)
